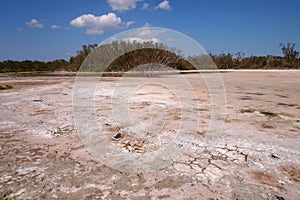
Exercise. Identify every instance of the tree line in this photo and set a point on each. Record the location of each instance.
(289, 60)
(135, 54)
(32, 66)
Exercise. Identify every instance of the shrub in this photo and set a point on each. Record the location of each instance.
(5, 87)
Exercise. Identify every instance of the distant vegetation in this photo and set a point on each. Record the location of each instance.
(31, 66)
(289, 60)
(135, 54)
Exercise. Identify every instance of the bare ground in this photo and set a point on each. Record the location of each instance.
(257, 156)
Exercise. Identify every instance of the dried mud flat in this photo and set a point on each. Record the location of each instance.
(257, 156)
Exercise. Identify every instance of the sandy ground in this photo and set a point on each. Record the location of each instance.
(256, 156)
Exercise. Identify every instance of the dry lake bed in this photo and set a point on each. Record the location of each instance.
(255, 156)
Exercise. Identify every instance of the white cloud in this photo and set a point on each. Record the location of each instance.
(122, 5)
(147, 24)
(55, 27)
(164, 5)
(96, 25)
(129, 23)
(141, 40)
(34, 23)
(20, 29)
(146, 32)
(145, 6)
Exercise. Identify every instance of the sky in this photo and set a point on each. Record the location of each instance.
(55, 29)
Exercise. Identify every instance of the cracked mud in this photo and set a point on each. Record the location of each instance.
(257, 155)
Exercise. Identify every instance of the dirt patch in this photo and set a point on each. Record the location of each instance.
(173, 182)
(265, 178)
(293, 172)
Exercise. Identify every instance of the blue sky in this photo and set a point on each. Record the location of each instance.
(53, 29)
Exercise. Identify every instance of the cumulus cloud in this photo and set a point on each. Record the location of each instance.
(34, 23)
(96, 25)
(164, 5)
(55, 27)
(122, 5)
(145, 6)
